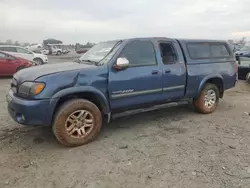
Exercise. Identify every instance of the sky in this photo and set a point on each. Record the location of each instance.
(98, 20)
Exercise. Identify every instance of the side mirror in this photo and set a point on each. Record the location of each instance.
(121, 63)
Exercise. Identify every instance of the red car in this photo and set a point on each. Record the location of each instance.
(9, 64)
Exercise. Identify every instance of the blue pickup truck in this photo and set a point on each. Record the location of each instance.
(115, 76)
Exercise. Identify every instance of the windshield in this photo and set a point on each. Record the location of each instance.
(98, 52)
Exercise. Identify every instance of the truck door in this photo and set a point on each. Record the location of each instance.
(173, 70)
(140, 83)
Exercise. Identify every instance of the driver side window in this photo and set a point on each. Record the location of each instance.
(139, 53)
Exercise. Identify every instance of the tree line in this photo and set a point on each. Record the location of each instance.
(46, 42)
(235, 44)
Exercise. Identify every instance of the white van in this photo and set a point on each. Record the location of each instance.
(25, 54)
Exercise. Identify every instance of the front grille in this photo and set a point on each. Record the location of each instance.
(13, 85)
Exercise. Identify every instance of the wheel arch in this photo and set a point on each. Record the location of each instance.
(88, 93)
(38, 58)
(213, 79)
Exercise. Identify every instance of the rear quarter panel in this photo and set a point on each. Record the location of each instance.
(201, 70)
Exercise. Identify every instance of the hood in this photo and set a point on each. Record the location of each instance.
(32, 73)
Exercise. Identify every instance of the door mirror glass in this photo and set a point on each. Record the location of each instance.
(121, 63)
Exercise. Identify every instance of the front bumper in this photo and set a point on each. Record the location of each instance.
(30, 112)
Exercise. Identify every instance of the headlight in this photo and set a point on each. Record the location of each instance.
(28, 89)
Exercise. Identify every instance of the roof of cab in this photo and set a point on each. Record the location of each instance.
(178, 39)
(201, 40)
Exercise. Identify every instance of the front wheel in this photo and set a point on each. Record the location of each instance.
(208, 99)
(39, 61)
(77, 122)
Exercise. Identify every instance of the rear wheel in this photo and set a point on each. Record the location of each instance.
(208, 99)
(59, 53)
(77, 122)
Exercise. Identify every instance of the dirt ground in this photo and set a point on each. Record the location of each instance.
(173, 147)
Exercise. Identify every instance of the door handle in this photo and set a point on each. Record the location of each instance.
(167, 71)
(155, 72)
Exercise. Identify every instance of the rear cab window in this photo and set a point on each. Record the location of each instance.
(168, 53)
(219, 50)
(208, 50)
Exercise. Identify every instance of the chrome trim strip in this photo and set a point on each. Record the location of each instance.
(173, 87)
(115, 96)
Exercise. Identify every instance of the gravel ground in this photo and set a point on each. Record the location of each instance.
(173, 147)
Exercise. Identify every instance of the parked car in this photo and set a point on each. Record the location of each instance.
(115, 76)
(34, 47)
(18, 51)
(42, 51)
(245, 51)
(10, 64)
(45, 51)
(65, 51)
(243, 67)
(37, 51)
(56, 49)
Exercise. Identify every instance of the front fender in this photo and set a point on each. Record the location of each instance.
(74, 90)
(206, 78)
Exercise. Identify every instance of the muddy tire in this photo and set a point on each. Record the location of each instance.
(77, 122)
(208, 100)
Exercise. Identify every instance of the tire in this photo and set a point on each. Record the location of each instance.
(199, 103)
(59, 53)
(65, 119)
(39, 61)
